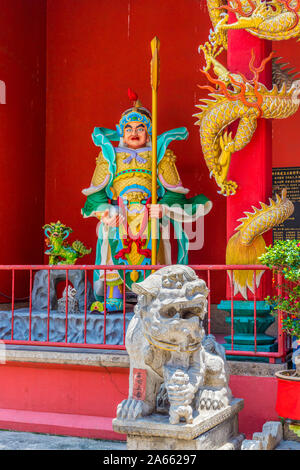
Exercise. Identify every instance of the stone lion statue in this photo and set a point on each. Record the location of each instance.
(174, 367)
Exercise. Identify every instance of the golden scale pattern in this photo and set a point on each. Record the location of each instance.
(265, 218)
(219, 112)
(275, 23)
(230, 102)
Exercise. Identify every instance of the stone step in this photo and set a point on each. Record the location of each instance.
(95, 427)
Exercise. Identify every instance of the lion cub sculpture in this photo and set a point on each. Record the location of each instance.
(174, 367)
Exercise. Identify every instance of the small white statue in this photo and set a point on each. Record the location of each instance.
(73, 306)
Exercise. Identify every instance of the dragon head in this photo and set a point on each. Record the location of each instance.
(286, 78)
(56, 233)
(172, 304)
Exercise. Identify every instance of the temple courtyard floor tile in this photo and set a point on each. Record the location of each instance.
(15, 440)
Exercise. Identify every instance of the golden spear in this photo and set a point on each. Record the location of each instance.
(155, 44)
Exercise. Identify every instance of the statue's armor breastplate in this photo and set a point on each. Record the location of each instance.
(133, 172)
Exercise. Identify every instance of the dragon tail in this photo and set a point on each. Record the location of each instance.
(206, 105)
(247, 245)
(236, 253)
(80, 248)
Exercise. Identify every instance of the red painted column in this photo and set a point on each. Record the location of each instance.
(251, 167)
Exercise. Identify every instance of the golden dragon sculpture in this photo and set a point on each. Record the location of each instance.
(247, 244)
(234, 98)
(274, 20)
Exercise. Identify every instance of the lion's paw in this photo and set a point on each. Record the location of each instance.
(133, 409)
(178, 412)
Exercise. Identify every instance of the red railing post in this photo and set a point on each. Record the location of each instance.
(104, 324)
(85, 305)
(48, 313)
(12, 302)
(232, 310)
(124, 305)
(67, 303)
(281, 348)
(30, 303)
(208, 303)
(255, 312)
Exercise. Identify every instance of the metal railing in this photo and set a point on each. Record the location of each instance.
(282, 340)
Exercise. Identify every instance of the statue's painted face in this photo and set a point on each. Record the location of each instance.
(135, 135)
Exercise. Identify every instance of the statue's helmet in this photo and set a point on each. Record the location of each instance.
(137, 113)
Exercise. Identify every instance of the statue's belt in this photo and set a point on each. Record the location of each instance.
(171, 347)
(135, 170)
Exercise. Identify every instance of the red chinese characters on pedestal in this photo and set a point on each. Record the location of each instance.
(139, 384)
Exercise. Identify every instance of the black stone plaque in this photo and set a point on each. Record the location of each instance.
(288, 178)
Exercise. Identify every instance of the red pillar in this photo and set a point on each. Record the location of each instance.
(251, 167)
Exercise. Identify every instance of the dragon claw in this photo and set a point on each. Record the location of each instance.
(228, 188)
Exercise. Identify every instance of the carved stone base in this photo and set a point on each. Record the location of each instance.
(40, 288)
(211, 430)
(114, 329)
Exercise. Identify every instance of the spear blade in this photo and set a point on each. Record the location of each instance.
(155, 45)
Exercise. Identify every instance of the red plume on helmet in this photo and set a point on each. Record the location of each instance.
(132, 95)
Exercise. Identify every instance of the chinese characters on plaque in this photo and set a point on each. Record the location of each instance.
(139, 384)
(288, 178)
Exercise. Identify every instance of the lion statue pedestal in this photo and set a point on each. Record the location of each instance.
(179, 396)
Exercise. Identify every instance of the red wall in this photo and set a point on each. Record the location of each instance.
(96, 50)
(22, 132)
(82, 400)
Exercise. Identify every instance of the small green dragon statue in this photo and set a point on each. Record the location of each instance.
(59, 251)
